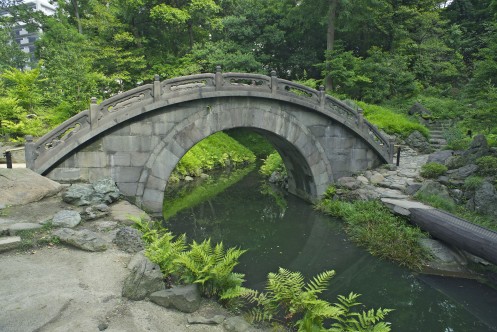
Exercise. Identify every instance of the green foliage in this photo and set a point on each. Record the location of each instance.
(211, 267)
(273, 163)
(432, 170)
(473, 182)
(215, 151)
(391, 122)
(371, 224)
(487, 165)
(456, 138)
(436, 201)
(287, 296)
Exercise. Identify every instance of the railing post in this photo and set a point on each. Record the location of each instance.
(218, 80)
(360, 118)
(93, 113)
(391, 141)
(322, 97)
(157, 91)
(274, 82)
(29, 152)
(8, 158)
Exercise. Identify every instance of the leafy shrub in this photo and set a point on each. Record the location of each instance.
(253, 141)
(473, 182)
(287, 296)
(432, 170)
(487, 165)
(273, 163)
(441, 107)
(391, 122)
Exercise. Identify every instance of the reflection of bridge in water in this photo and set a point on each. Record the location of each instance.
(138, 137)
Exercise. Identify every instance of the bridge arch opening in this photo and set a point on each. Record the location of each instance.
(309, 171)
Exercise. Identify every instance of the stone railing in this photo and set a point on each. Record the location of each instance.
(137, 101)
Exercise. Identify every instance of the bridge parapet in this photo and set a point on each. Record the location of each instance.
(49, 149)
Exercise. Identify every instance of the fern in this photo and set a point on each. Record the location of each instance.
(211, 268)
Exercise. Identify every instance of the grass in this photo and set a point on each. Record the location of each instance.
(390, 121)
(36, 238)
(373, 226)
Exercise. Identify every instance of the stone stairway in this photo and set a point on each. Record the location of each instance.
(437, 129)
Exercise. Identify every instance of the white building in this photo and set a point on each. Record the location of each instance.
(27, 39)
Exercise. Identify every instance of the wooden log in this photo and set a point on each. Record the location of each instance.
(472, 238)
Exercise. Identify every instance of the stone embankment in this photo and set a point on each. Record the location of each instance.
(70, 262)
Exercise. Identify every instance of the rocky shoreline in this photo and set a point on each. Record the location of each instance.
(76, 265)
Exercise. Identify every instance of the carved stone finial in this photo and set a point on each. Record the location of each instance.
(29, 138)
(321, 88)
(218, 69)
(156, 77)
(360, 111)
(93, 100)
(273, 73)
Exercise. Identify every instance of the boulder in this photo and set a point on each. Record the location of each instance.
(123, 210)
(443, 258)
(440, 156)
(21, 186)
(418, 109)
(237, 324)
(183, 298)
(83, 239)
(417, 141)
(349, 182)
(478, 148)
(103, 191)
(129, 239)
(66, 218)
(433, 188)
(462, 172)
(484, 200)
(412, 189)
(377, 178)
(78, 194)
(145, 278)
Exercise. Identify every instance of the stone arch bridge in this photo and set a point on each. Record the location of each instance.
(137, 137)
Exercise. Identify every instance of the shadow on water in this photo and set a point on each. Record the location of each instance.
(283, 231)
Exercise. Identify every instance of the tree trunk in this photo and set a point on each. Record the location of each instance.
(330, 38)
(76, 14)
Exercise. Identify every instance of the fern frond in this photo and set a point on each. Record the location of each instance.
(319, 283)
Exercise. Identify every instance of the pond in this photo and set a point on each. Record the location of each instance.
(284, 231)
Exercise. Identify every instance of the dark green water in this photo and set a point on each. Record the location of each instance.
(286, 232)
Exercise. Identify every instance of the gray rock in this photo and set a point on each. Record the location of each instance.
(23, 226)
(106, 191)
(21, 186)
(349, 182)
(363, 179)
(102, 207)
(454, 162)
(145, 278)
(462, 172)
(216, 320)
(83, 239)
(188, 178)
(440, 156)
(478, 148)
(78, 194)
(377, 178)
(66, 218)
(104, 226)
(434, 188)
(412, 189)
(443, 258)
(183, 298)
(417, 141)
(237, 324)
(129, 240)
(484, 200)
(9, 243)
(122, 210)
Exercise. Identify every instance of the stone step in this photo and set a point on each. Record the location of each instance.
(9, 243)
